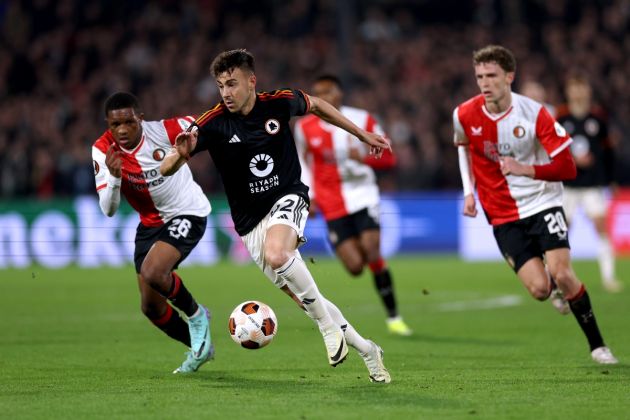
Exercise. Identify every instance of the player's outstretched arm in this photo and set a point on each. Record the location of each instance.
(185, 143)
(330, 114)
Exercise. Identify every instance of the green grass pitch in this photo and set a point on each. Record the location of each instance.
(74, 344)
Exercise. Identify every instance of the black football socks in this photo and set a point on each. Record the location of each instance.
(180, 297)
(383, 283)
(581, 307)
(173, 325)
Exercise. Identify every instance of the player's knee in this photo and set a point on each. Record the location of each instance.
(355, 268)
(539, 292)
(276, 258)
(564, 277)
(154, 276)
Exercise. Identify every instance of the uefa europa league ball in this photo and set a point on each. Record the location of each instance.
(252, 324)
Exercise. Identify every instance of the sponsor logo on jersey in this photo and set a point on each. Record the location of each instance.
(261, 165)
(591, 126)
(158, 154)
(490, 150)
(519, 132)
(476, 131)
(505, 149)
(580, 146)
(272, 126)
(235, 139)
(97, 167)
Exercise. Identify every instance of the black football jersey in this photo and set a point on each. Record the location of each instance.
(255, 153)
(590, 135)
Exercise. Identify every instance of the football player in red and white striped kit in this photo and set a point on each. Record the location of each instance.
(173, 216)
(518, 156)
(340, 172)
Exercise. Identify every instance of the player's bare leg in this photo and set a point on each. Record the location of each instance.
(537, 280)
(157, 273)
(606, 257)
(161, 314)
(559, 265)
(280, 254)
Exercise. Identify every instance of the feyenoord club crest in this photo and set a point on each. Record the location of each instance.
(272, 126)
(97, 167)
(158, 154)
(518, 132)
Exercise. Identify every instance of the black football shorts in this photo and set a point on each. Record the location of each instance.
(351, 226)
(531, 237)
(183, 232)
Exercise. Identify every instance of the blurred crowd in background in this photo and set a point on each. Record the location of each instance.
(408, 62)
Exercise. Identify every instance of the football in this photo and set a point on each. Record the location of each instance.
(252, 324)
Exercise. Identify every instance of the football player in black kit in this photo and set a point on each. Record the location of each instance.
(594, 158)
(249, 139)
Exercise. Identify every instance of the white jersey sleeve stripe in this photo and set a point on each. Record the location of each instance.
(561, 148)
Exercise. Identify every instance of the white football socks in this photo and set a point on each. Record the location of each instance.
(300, 282)
(606, 259)
(353, 338)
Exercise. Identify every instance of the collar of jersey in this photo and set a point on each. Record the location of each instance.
(496, 117)
(135, 149)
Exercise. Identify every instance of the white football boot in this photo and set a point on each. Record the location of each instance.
(336, 346)
(559, 302)
(604, 356)
(374, 361)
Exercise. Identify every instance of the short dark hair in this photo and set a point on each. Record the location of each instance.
(227, 61)
(120, 100)
(577, 78)
(330, 78)
(495, 54)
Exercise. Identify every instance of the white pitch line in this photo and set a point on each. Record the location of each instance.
(491, 303)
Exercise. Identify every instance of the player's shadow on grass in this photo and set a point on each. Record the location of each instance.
(343, 391)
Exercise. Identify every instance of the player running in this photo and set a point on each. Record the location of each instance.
(594, 157)
(339, 171)
(248, 137)
(173, 213)
(519, 155)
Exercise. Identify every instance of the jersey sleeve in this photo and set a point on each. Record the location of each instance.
(174, 126)
(107, 186)
(388, 159)
(551, 134)
(101, 172)
(459, 135)
(294, 102)
(304, 156)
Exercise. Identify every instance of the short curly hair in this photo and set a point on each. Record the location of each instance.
(495, 54)
(120, 100)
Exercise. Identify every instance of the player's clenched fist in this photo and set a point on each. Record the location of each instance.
(113, 160)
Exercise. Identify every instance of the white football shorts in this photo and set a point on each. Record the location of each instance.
(290, 210)
(592, 200)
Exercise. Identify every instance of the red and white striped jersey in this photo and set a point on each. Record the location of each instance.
(341, 185)
(155, 197)
(528, 133)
